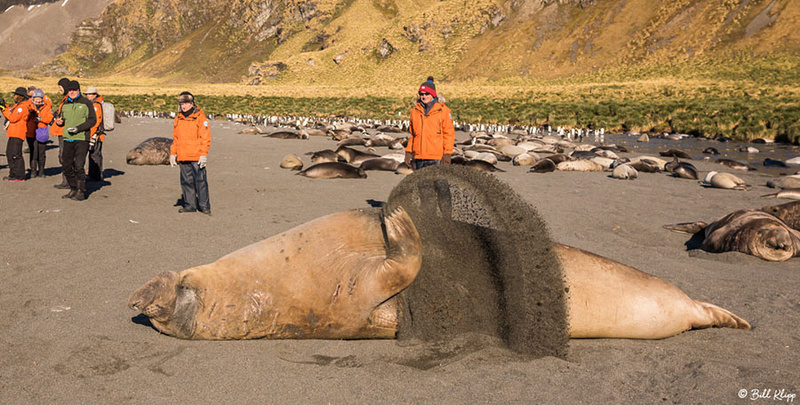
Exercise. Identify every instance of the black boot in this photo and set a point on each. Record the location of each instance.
(80, 195)
(72, 193)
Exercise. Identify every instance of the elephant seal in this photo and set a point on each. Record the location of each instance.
(152, 151)
(683, 170)
(734, 164)
(624, 172)
(287, 135)
(543, 166)
(579, 165)
(768, 162)
(789, 213)
(299, 284)
(792, 193)
(354, 156)
(753, 232)
(675, 153)
(381, 163)
(791, 181)
(323, 156)
(524, 159)
(725, 180)
(711, 151)
(291, 161)
(400, 275)
(482, 165)
(334, 170)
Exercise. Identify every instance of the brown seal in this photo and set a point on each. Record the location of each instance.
(152, 151)
(299, 284)
(334, 170)
(761, 233)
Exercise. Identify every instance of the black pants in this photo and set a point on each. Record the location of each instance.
(37, 157)
(96, 162)
(72, 163)
(31, 145)
(194, 185)
(16, 164)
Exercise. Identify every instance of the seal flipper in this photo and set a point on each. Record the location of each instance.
(718, 317)
(403, 253)
(687, 227)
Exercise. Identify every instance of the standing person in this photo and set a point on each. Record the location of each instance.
(18, 116)
(191, 140)
(97, 136)
(432, 132)
(43, 120)
(58, 131)
(77, 116)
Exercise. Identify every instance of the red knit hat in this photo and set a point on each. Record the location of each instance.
(428, 87)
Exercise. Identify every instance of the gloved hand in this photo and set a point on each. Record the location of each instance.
(72, 130)
(202, 162)
(409, 158)
(446, 159)
(2, 104)
(173, 160)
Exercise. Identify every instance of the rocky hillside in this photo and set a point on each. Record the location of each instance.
(370, 42)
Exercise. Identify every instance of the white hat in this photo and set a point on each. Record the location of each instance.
(91, 90)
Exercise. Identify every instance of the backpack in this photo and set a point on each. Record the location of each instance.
(108, 116)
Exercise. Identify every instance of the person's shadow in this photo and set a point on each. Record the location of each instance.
(92, 186)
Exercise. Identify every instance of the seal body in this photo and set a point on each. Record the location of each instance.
(334, 170)
(152, 151)
(608, 299)
(299, 284)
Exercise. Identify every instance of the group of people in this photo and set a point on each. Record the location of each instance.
(33, 117)
(77, 123)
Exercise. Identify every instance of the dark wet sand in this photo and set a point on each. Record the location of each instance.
(68, 268)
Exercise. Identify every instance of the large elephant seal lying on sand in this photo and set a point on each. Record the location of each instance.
(770, 233)
(480, 259)
(152, 151)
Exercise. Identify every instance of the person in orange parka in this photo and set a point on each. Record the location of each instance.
(98, 136)
(18, 116)
(58, 131)
(44, 117)
(431, 128)
(191, 140)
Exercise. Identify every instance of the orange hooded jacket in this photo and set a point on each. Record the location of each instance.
(45, 113)
(18, 117)
(191, 137)
(432, 135)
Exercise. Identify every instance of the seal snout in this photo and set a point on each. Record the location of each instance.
(156, 298)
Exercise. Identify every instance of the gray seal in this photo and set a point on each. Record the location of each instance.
(334, 170)
(152, 151)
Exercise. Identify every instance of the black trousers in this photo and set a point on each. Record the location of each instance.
(31, 145)
(96, 162)
(16, 164)
(61, 158)
(72, 163)
(37, 156)
(194, 185)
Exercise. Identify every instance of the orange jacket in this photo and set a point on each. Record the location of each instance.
(191, 137)
(56, 129)
(432, 135)
(98, 110)
(45, 113)
(18, 116)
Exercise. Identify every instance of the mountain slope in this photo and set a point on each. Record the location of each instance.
(374, 42)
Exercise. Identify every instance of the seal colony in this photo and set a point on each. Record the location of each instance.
(454, 250)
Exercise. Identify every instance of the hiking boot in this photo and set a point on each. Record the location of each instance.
(72, 193)
(207, 212)
(80, 195)
(182, 210)
(62, 186)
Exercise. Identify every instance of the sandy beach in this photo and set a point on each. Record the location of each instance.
(68, 269)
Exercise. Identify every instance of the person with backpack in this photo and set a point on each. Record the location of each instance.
(78, 117)
(191, 140)
(97, 136)
(44, 117)
(18, 116)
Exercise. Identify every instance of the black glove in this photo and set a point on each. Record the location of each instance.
(72, 130)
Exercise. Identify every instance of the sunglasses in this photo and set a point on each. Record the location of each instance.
(424, 94)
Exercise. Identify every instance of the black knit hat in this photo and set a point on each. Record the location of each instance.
(72, 85)
(428, 87)
(21, 91)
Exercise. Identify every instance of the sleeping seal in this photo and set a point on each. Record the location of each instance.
(152, 151)
(753, 232)
(334, 170)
